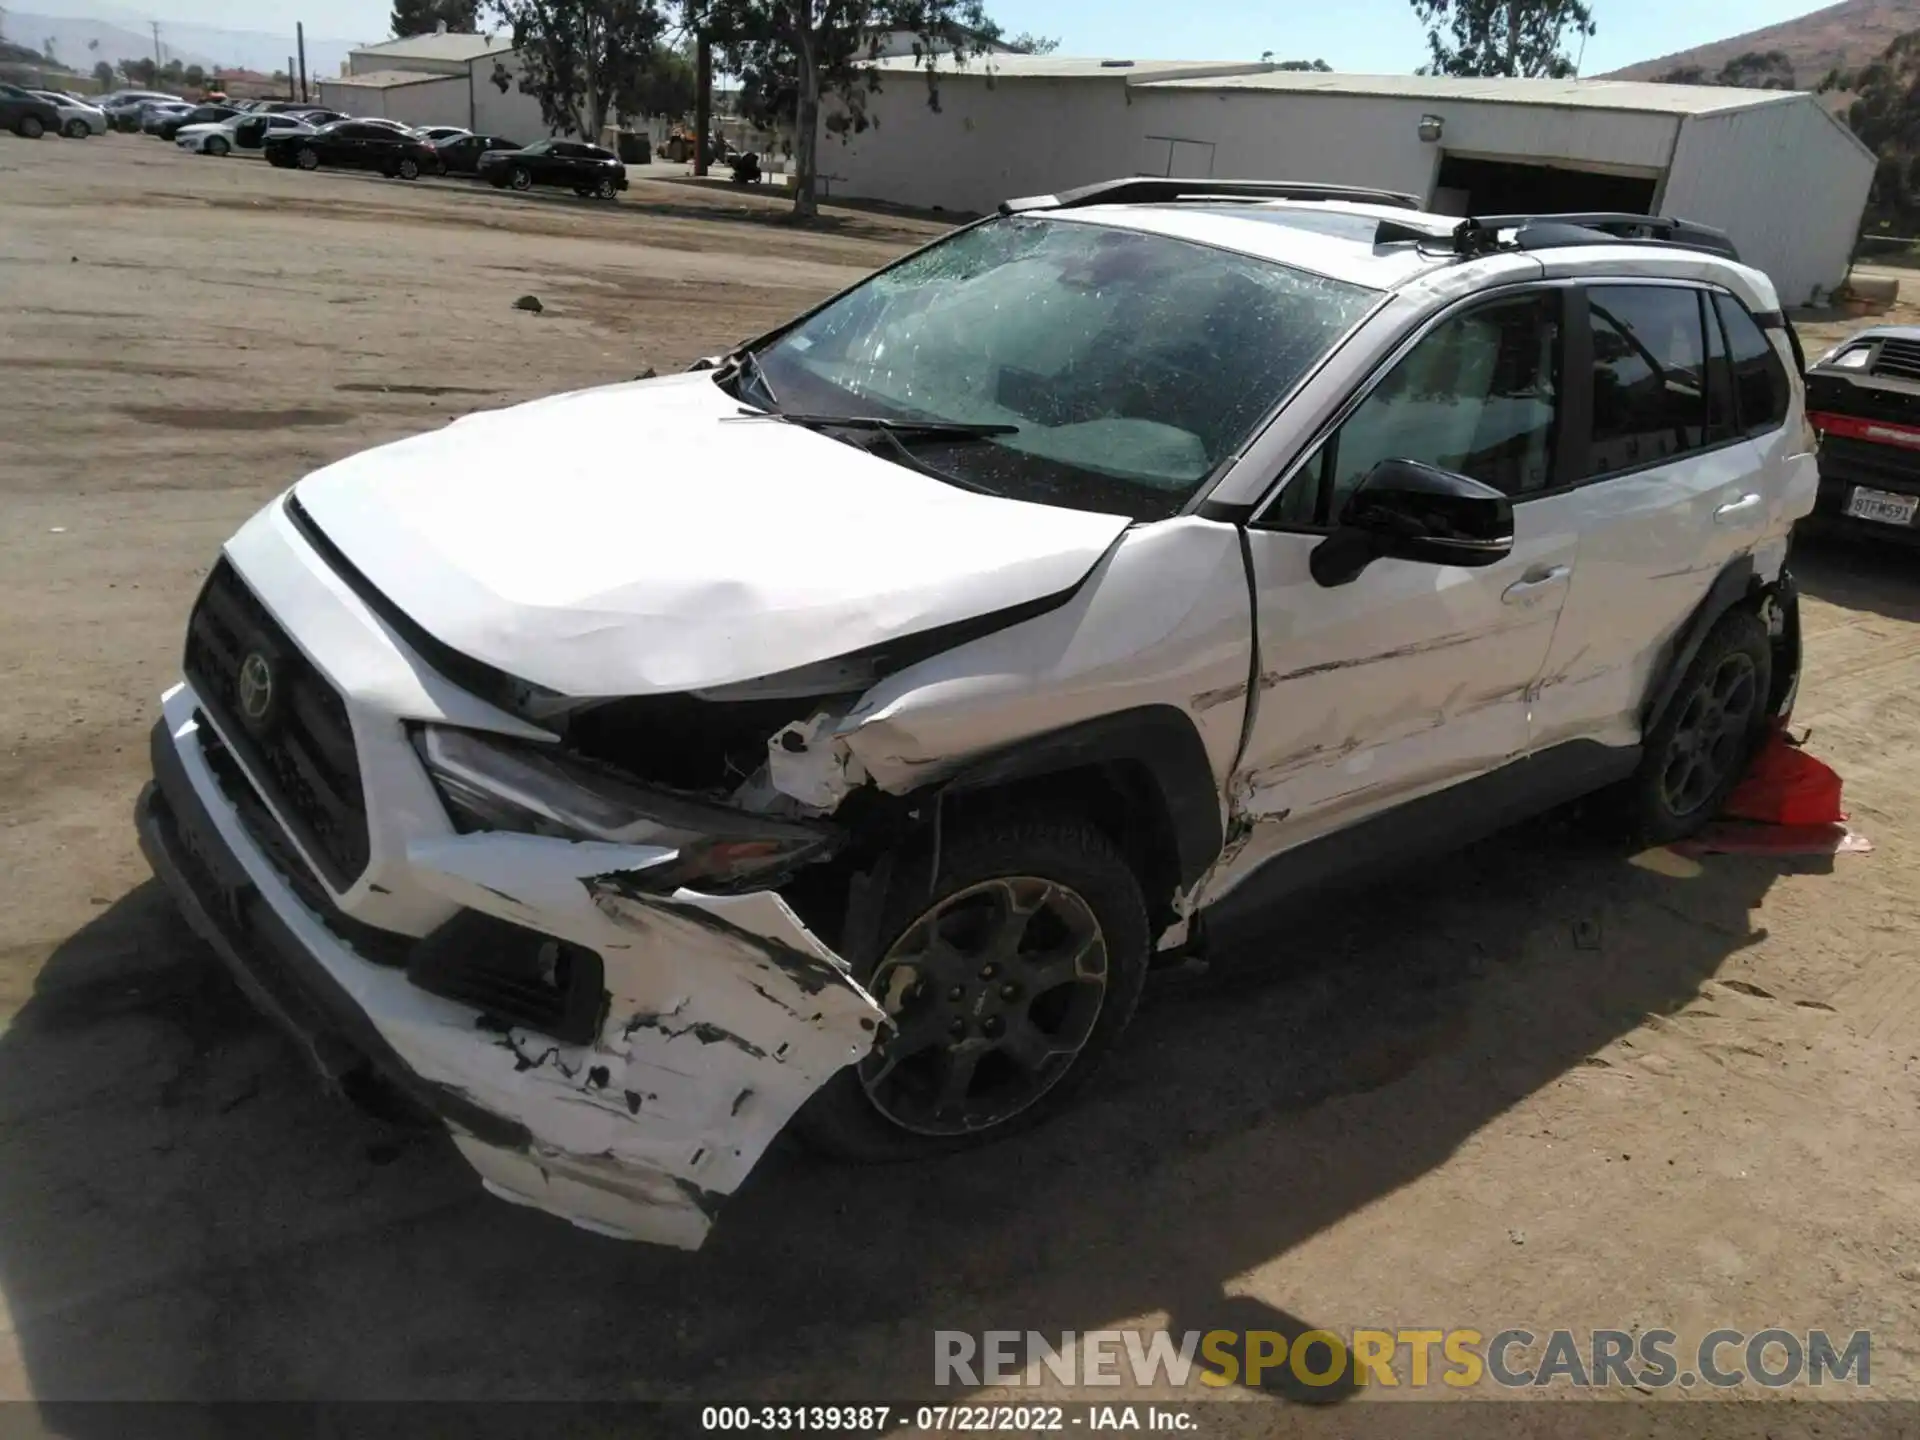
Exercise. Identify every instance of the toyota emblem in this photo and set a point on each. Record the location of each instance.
(256, 687)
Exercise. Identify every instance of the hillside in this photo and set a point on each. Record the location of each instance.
(1844, 35)
(113, 35)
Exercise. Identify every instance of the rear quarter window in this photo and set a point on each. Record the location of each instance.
(1761, 390)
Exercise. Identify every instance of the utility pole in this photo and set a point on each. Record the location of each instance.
(702, 99)
(291, 72)
(300, 42)
(156, 44)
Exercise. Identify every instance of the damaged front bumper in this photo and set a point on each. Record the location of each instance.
(722, 1014)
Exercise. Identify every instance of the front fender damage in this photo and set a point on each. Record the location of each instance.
(725, 1013)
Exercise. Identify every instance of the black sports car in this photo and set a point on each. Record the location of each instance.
(461, 155)
(353, 145)
(26, 114)
(583, 169)
(1863, 399)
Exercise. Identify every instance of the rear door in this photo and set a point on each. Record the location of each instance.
(1672, 489)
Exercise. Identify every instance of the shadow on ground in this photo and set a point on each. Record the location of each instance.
(186, 1215)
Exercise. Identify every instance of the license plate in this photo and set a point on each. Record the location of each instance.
(1882, 505)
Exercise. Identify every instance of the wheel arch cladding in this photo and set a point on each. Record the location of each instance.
(1737, 584)
(1146, 769)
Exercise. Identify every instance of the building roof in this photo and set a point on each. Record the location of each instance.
(387, 79)
(1643, 95)
(449, 47)
(1017, 65)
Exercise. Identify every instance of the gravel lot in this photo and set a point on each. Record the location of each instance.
(1536, 1085)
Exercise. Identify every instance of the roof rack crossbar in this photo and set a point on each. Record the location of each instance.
(1479, 234)
(1154, 189)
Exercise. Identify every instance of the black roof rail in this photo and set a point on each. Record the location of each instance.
(1153, 189)
(1479, 234)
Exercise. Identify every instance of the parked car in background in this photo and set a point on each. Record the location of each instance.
(1863, 401)
(78, 118)
(435, 134)
(126, 112)
(223, 137)
(171, 125)
(156, 114)
(25, 113)
(461, 154)
(583, 169)
(352, 145)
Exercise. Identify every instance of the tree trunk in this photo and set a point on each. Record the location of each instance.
(806, 129)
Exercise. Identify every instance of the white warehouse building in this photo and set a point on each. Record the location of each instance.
(445, 79)
(1773, 168)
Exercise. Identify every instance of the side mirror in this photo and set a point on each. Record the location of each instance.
(1404, 510)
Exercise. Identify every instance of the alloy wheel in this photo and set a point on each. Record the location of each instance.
(409, 168)
(992, 993)
(520, 179)
(1710, 739)
(309, 158)
(31, 128)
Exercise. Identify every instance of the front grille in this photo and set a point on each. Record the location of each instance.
(383, 947)
(1898, 358)
(289, 728)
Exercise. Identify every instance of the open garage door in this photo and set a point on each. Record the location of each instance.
(1470, 185)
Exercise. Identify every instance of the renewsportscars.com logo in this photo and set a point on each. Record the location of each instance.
(1514, 1358)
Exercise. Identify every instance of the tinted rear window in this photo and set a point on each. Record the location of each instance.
(1760, 386)
(1649, 375)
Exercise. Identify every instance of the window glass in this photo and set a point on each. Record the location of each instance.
(1479, 396)
(1760, 384)
(1721, 420)
(1649, 375)
(1124, 366)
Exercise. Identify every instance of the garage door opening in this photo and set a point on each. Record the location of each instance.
(1501, 187)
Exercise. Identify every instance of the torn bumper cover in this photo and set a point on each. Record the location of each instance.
(722, 1013)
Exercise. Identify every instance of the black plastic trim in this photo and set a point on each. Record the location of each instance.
(1731, 586)
(1159, 190)
(1160, 739)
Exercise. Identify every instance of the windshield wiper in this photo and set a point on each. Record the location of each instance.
(748, 364)
(930, 429)
(914, 462)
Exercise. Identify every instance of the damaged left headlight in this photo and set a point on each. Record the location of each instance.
(489, 783)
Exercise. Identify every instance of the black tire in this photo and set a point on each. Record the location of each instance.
(520, 178)
(409, 168)
(307, 158)
(1703, 744)
(217, 145)
(76, 130)
(877, 1111)
(605, 189)
(30, 127)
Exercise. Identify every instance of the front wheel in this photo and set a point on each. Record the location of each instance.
(521, 178)
(217, 145)
(77, 130)
(1006, 984)
(409, 168)
(30, 127)
(308, 158)
(605, 189)
(1700, 748)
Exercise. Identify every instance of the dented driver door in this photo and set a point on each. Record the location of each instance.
(1412, 677)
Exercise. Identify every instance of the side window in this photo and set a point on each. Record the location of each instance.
(1722, 421)
(1760, 386)
(1479, 395)
(1649, 375)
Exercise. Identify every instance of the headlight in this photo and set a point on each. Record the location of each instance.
(493, 784)
(1843, 358)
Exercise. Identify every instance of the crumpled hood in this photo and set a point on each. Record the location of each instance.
(638, 539)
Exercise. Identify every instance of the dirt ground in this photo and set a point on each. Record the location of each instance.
(1536, 1085)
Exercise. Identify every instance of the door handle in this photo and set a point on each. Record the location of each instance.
(1736, 510)
(1535, 583)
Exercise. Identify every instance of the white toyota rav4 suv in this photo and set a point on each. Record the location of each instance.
(841, 729)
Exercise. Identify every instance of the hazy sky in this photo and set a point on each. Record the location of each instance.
(1357, 35)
